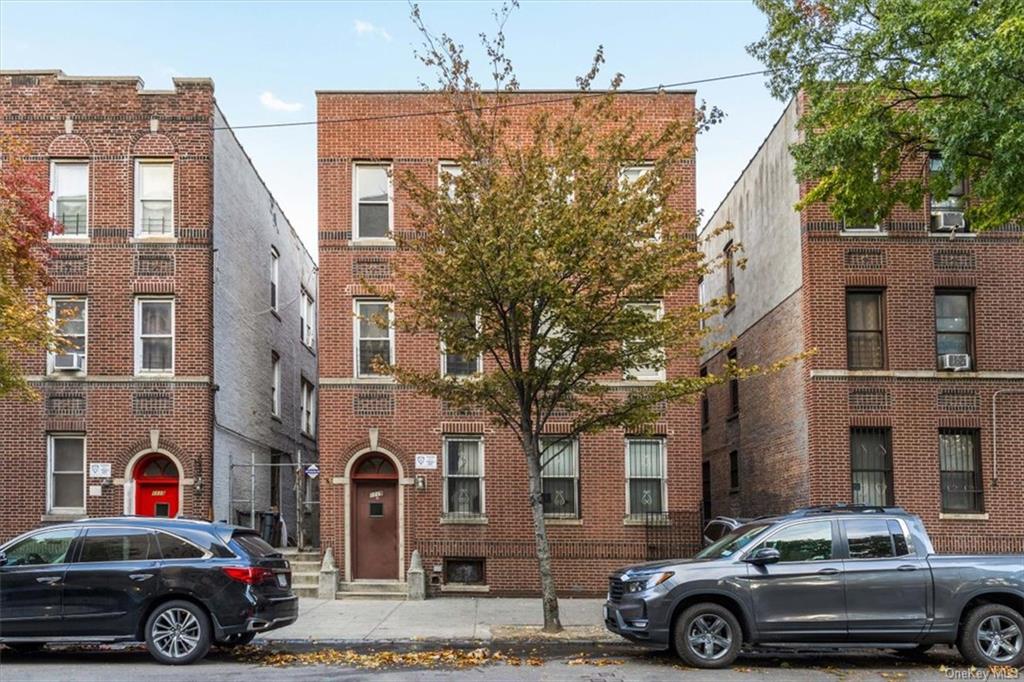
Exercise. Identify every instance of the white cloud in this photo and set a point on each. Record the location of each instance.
(272, 102)
(365, 28)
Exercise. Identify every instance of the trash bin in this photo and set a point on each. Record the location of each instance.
(268, 523)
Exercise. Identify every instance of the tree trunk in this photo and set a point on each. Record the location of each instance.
(549, 598)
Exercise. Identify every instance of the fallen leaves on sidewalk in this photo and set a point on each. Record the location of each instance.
(583, 660)
(451, 658)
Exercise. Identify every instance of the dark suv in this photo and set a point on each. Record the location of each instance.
(827, 576)
(179, 585)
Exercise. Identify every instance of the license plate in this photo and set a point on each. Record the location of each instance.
(282, 580)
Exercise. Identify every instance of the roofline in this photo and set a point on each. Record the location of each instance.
(538, 91)
(137, 80)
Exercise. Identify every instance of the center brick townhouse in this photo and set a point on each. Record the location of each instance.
(404, 472)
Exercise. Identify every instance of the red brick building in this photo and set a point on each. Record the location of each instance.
(915, 395)
(403, 472)
(149, 185)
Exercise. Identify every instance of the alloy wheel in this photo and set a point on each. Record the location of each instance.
(176, 633)
(999, 638)
(709, 637)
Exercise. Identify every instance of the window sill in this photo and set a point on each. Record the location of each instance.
(372, 241)
(312, 351)
(641, 521)
(374, 379)
(558, 521)
(155, 376)
(458, 587)
(946, 516)
(863, 233)
(953, 235)
(68, 239)
(307, 434)
(58, 374)
(62, 517)
(449, 520)
(153, 239)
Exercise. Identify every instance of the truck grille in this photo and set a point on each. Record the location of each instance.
(615, 589)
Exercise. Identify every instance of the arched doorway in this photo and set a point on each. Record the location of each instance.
(157, 482)
(374, 518)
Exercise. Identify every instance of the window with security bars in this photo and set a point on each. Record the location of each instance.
(154, 198)
(560, 477)
(865, 329)
(69, 202)
(871, 466)
(960, 467)
(463, 476)
(645, 476)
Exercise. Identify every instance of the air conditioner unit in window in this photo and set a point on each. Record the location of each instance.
(955, 361)
(69, 362)
(948, 221)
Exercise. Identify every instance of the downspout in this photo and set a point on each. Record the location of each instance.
(995, 440)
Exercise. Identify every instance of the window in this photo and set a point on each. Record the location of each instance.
(275, 272)
(730, 272)
(374, 336)
(461, 364)
(560, 477)
(705, 488)
(307, 318)
(69, 198)
(953, 329)
(871, 466)
(447, 171)
(865, 329)
(464, 474)
(630, 176)
(705, 401)
(645, 476)
(803, 542)
(900, 540)
(651, 365)
(173, 547)
(946, 212)
(869, 539)
(464, 571)
(254, 545)
(373, 201)
(734, 386)
(116, 544)
(275, 384)
(734, 471)
(308, 408)
(960, 466)
(154, 198)
(70, 315)
(154, 336)
(702, 298)
(42, 549)
(66, 494)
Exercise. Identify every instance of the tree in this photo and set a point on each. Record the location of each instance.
(531, 255)
(890, 82)
(25, 224)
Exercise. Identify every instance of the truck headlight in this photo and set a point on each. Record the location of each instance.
(642, 583)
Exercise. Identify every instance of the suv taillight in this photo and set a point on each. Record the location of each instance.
(250, 575)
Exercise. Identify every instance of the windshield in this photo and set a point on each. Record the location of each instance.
(733, 542)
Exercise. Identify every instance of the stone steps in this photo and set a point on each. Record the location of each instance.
(372, 589)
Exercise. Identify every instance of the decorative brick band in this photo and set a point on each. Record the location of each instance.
(65, 405)
(868, 400)
(152, 403)
(864, 279)
(374, 404)
(958, 400)
(954, 259)
(153, 286)
(966, 281)
(870, 420)
(864, 259)
(463, 427)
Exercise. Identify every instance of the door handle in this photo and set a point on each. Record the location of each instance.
(139, 577)
(49, 580)
(907, 567)
(828, 571)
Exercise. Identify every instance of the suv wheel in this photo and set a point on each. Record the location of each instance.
(993, 634)
(708, 636)
(178, 633)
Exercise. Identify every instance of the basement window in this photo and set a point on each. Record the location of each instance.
(464, 571)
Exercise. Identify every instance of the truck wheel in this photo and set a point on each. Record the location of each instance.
(993, 634)
(178, 633)
(708, 636)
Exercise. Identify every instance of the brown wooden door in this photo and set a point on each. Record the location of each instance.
(375, 532)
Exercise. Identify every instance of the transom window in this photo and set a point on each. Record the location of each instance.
(154, 336)
(560, 477)
(865, 329)
(463, 476)
(645, 476)
(373, 201)
(154, 198)
(374, 336)
(70, 315)
(69, 199)
(66, 494)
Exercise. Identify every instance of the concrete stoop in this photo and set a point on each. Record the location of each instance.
(305, 571)
(373, 589)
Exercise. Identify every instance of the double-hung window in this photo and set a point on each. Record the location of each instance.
(447, 172)
(651, 365)
(307, 318)
(630, 176)
(464, 477)
(374, 337)
(154, 198)
(946, 212)
(275, 274)
(308, 408)
(960, 469)
(953, 329)
(69, 198)
(461, 364)
(734, 385)
(865, 329)
(705, 401)
(154, 336)
(729, 254)
(70, 315)
(66, 475)
(373, 209)
(645, 476)
(871, 466)
(275, 384)
(559, 460)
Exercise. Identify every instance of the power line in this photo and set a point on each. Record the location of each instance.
(505, 105)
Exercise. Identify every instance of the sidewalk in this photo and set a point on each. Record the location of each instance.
(449, 619)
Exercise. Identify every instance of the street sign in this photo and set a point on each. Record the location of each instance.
(312, 471)
(426, 461)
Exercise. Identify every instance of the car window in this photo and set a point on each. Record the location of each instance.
(803, 542)
(899, 539)
(116, 544)
(715, 530)
(732, 543)
(868, 539)
(173, 547)
(48, 547)
(255, 546)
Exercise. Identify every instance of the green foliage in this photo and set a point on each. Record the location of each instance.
(889, 81)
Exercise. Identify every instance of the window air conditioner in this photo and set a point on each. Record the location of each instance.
(69, 362)
(948, 221)
(955, 361)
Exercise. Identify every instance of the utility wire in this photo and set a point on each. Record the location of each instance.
(504, 105)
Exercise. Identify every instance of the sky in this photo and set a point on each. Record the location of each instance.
(267, 59)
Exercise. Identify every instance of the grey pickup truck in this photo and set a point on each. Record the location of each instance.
(838, 576)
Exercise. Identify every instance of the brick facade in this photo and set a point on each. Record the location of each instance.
(360, 416)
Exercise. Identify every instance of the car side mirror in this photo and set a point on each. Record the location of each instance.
(764, 556)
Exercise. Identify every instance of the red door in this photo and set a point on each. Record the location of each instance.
(375, 520)
(156, 487)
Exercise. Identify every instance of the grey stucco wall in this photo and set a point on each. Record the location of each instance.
(760, 206)
(247, 224)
